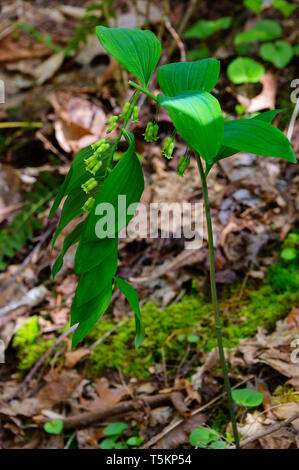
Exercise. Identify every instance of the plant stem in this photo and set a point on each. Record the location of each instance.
(143, 90)
(124, 125)
(215, 300)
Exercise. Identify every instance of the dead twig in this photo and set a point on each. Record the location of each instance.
(177, 38)
(86, 419)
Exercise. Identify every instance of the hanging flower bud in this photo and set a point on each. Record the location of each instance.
(112, 120)
(88, 204)
(182, 165)
(89, 185)
(98, 144)
(135, 114)
(167, 147)
(155, 131)
(111, 128)
(126, 109)
(151, 132)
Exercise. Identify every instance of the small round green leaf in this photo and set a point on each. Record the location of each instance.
(108, 443)
(245, 70)
(200, 436)
(247, 397)
(54, 427)
(115, 429)
(279, 53)
(135, 441)
(288, 254)
(192, 339)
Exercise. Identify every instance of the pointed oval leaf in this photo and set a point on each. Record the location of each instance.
(132, 297)
(88, 314)
(70, 240)
(138, 51)
(259, 137)
(95, 280)
(226, 152)
(178, 77)
(198, 118)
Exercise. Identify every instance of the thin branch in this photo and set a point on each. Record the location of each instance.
(177, 38)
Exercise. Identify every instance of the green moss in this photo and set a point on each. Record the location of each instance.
(30, 347)
(194, 314)
(285, 394)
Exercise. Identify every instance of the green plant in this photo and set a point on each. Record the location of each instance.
(285, 7)
(204, 438)
(54, 427)
(247, 397)
(254, 5)
(245, 70)
(197, 117)
(113, 432)
(280, 53)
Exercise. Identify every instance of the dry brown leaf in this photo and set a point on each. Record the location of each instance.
(73, 357)
(180, 434)
(106, 396)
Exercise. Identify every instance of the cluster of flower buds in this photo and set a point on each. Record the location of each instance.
(151, 132)
(182, 165)
(113, 121)
(167, 147)
(89, 185)
(94, 163)
(88, 204)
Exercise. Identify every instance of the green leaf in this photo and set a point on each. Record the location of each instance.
(203, 28)
(69, 240)
(135, 441)
(108, 443)
(245, 70)
(88, 314)
(89, 255)
(247, 397)
(286, 8)
(254, 5)
(132, 297)
(226, 152)
(199, 53)
(178, 77)
(138, 51)
(296, 49)
(192, 339)
(279, 53)
(115, 429)
(218, 445)
(198, 118)
(264, 30)
(201, 436)
(76, 170)
(268, 140)
(288, 254)
(95, 280)
(54, 427)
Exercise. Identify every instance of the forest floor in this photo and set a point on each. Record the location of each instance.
(173, 383)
